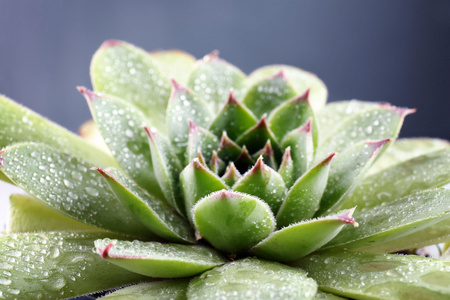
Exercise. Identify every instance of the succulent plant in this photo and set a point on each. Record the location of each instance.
(197, 181)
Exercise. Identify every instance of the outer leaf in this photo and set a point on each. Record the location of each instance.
(151, 212)
(379, 276)
(263, 182)
(130, 73)
(346, 172)
(159, 260)
(184, 107)
(427, 171)
(252, 278)
(56, 265)
(200, 140)
(120, 124)
(396, 219)
(233, 222)
(212, 78)
(268, 93)
(175, 64)
(303, 199)
(27, 214)
(300, 79)
(67, 184)
(157, 290)
(196, 181)
(300, 239)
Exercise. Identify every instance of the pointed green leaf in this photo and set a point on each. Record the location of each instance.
(301, 239)
(56, 265)
(300, 141)
(159, 260)
(379, 276)
(231, 175)
(68, 185)
(19, 124)
(167, 168)
(233, 222)
(184, 107)
(268, 93)
(212, 78)
(252, 278)
(234, 118)
(286, 169)
(151, 212)
(200, 140)
(424, 172)
(228, 150)
(303, 199)
(27, 214)
(345, 173)
(196, 181)
(263, 182)
(300, 79)
(268, 155)
(158, 290)
(174, 63)
(120, 124)
(216, 165)
(398, 218)
(130, 73)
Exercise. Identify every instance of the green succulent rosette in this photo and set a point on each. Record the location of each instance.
(211, 184)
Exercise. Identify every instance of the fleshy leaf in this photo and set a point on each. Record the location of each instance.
(268, 155)
(232, 175)
(157, 290)
(56, 265)
(234, 118)
(200, 141)
(159, 260)
(303, 199)
(167, 168)
(300, 79)
(212, 78)
(120, 124)
(151, 212)
(233, 222)
(263, 182)
(89, 132)
(398, 218)
(67, 184)
(379, 276)
(216, 164)
(174, 63)
(184, 107)
(228, 150)
(268, 93)
(252, 278)
(196, 182)
(301, 239)
(130, 73)
(345, 173)
(424, 172)
(286, 169)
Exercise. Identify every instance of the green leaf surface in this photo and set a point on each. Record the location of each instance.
(56, 265)
(268, 93)
(420, 173)
(68, 185)
(130, 73)
(286, 169)
(303, 199)
(174, 63)
(212, 78)
(301, 239)
(231, 175)
(267, 155)
(159, 260)
(379, 276)
(228, 150)
(27, 214)
(300, 79)
(121, 125)
(151, 212)
(200, 140)
(157, 290)
(252, 278)
(233, 222)
(395, 219)
(196, 182)
(345, 173)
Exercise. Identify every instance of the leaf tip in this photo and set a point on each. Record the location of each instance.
(104, 253)
(377, 145)
(347, 217)
(111, 43)
(281, 75)
(89, 95)
(211, 56)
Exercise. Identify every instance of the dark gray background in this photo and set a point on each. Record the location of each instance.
(395, 51)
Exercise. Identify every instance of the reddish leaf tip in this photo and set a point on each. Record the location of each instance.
(347, 218)
(89, 95)
(104, 253)
(303, 97)
(262, 123)
(307, 127)
(111, 43)
(176, 87)
(193, 128)
(281, 75)
(402, 111)
(328, 159)
(377, 145)
(197, 164)
(151, 133)
(232, 99)
(211, 56)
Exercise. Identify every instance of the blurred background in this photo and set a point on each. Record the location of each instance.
(396, 51)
